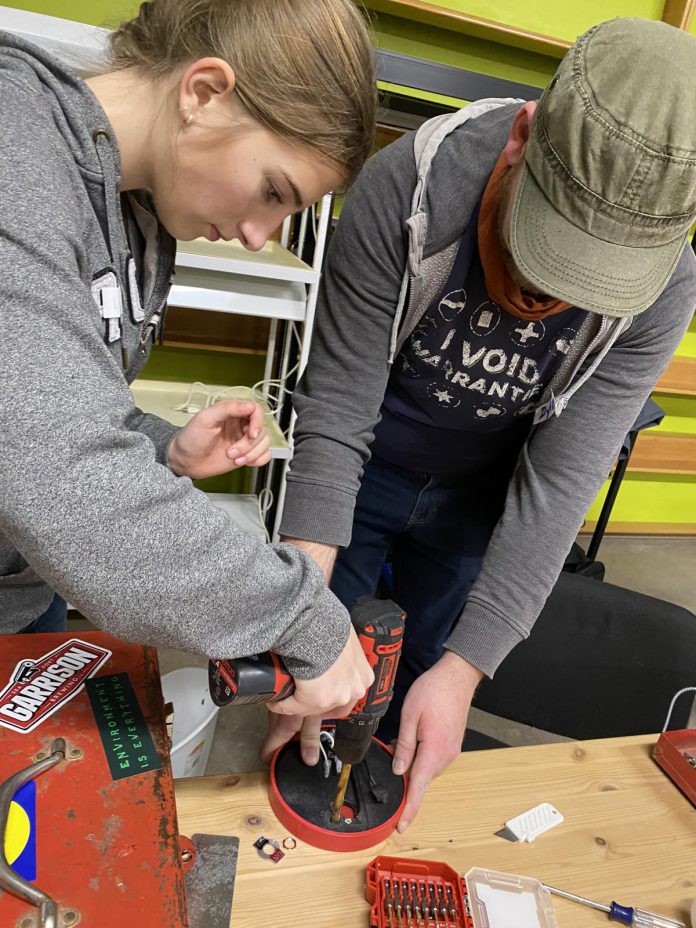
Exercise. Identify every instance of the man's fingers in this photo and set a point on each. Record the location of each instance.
(309, 740)
(424, 768)
(406, 742)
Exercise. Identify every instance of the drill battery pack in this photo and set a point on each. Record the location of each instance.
(91, 837)
(405, 891)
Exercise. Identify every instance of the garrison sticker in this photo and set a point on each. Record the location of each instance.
(39, 687)
(124, 733)
(20, 832)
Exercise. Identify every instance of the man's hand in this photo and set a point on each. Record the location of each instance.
(335, 692)
(219, 439)
(433, 722)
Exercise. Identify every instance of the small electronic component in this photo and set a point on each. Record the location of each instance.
(268, 849)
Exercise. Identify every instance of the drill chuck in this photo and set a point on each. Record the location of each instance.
(353, 739)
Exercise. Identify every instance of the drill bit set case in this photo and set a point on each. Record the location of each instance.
(409, 893)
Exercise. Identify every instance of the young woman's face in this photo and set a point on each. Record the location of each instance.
(240, 185)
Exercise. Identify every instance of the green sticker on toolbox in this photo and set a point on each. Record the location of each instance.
(127, 741)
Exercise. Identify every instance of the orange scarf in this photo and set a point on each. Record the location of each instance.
(502, 289)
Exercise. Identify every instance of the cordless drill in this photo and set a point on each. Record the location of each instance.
(379, 625)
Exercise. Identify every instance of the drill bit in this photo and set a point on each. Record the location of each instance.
(416, 906)
(407, 903)
(441, 900)
(425, 904)
(433, 904)
(452, 908)
(388, 902)
(340, 794)
(397, 898)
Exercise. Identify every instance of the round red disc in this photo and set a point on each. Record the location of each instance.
(343, 837)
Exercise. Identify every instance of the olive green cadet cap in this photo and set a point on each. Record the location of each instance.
(607, 193)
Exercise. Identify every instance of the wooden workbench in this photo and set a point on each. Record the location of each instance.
(628, 835)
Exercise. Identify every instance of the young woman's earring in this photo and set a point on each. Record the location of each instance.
(187, 115)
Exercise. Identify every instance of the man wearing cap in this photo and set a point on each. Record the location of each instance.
(503, 291)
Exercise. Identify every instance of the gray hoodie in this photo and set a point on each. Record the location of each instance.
(391, 254)
(88, 506)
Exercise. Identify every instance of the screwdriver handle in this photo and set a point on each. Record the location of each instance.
(621, 913)
(643, 919)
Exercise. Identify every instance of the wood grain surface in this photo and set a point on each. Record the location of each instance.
(629, 835)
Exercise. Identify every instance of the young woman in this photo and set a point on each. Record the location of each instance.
(214, 119)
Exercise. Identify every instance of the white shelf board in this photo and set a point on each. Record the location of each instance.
(242, 508)
(159, 397)
(246, 296)
(272, 261)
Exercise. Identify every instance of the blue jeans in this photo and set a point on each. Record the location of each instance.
(436, 530)
(54, 619)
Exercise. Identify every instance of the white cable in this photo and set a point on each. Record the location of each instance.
(187, 405)
(264, 501)
(687, 689)
(313, 215)
(240, 392)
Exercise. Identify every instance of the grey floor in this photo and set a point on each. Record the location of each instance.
(661, 567)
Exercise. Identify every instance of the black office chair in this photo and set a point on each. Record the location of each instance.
(601, 662)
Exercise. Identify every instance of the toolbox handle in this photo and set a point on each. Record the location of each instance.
(9, 880)
(687, 689)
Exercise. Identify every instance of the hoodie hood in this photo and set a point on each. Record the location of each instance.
(77, 112)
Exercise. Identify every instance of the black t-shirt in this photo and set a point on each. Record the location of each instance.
(463, 388)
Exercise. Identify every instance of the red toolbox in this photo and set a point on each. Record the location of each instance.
(675, 752)
(95, 831)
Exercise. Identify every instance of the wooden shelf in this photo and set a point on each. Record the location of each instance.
(679, 379)
(210, 331)
(434, 15)
(643, 528)
(658, 452)
(677, 13)
(212, 346)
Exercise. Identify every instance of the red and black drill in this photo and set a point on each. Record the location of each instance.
(264, 678)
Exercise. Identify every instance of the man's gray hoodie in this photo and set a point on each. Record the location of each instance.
(88, 507)
(389, 258)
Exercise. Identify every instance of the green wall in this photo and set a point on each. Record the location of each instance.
(95, 12)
